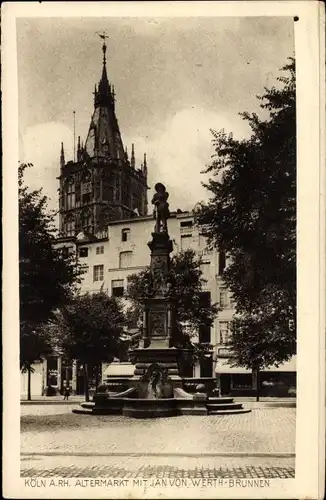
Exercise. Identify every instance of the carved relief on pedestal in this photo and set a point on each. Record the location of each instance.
(157, 323)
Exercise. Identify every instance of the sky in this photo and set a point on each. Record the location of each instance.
(175, 79)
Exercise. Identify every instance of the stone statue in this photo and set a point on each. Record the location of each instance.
(161, 210)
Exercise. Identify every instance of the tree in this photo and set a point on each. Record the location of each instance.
(90, 329)
(35, 344)
(251, 217)
(192, 312)
(47, 278)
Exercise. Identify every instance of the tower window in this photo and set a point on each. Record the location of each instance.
(86, 198)
(98, 273)
(125, 234)
(117, 288)
(86, 221)
(125, 259)
(99, 250)
(83, 252)
(86, 187)
(69, 228)
(107, 192)
(70, 193)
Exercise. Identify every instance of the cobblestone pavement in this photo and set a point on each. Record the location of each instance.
(147, 467)
(55, 429)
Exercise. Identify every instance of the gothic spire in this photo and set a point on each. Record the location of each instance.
(78, 149)
(62, 156)
(103, 96)
(104, 139)
(132, 160)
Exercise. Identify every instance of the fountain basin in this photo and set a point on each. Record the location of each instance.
(150, 408)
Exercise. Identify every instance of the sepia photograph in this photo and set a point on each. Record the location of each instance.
(158, 254)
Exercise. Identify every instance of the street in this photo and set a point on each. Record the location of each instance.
(56, 442)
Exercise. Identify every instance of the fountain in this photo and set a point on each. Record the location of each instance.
(155, 389)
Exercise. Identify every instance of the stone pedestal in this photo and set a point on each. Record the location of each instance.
(167, 356)
(156, 345)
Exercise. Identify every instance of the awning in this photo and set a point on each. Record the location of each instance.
(224, 367)
(288, 366)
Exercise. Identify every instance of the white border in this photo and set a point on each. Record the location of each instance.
(311, 237)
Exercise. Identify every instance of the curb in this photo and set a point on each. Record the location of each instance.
(53, 402)
(148, 454)
(269, 405)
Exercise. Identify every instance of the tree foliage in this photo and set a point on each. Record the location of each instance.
(90, 329)
(47, 278)
(187, 282)
(251, 216)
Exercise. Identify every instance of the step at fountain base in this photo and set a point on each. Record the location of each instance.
(128, 404)
(224, 406)
(228, 412)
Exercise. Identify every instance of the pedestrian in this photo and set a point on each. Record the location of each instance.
(67, 393)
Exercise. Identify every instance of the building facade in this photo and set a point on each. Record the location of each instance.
(108, 262)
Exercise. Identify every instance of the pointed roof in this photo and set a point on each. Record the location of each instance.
(104, 138)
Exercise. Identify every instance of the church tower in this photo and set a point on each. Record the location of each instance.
(101, 184)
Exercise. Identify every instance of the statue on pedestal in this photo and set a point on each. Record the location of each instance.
(161, 208)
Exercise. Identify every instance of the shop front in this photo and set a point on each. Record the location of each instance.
(273, 381)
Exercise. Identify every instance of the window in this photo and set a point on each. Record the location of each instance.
(83, 252)
(224, 332)
(242, 381)
(86, 187)
(224, 298)
(117, 288)
(206, 270)
(221, 263)
(125, 234)
(65, 252)
(125, 259)
(186, 240)
(206, 367)
(98, 273)
(70, 226)
(99, 250)
(70, 193)
(186, 223)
